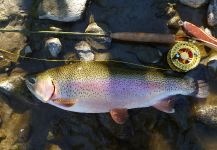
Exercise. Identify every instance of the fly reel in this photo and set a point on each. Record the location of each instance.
(183, 56)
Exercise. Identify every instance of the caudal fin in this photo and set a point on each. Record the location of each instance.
(203, 89)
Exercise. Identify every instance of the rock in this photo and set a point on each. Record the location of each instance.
(13, 43)
(158, 142)
(84, 51)
(95, 42)
(50, 136)
(52, 28)
(148, 55)
(52, 147)
(212, 13)
(14, 87)
(71, 58)
(208, 31)
(11, 127)
(212, 69)
(103, 56)
(27, 50)
(59, 10)
(193, 3)
(54, 46)
(205, 111)
(174, 16)
(24, 134)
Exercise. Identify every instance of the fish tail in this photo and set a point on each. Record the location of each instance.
(202, 89)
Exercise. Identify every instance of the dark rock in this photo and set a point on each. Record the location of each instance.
(212, 68)
(212, 13)
(84, 51)
(194, 3)
(148, 54)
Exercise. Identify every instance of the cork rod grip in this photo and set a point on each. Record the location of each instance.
(144, 37)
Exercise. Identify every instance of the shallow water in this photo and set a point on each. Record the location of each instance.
(146, 128)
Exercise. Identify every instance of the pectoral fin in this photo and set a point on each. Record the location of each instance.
(119, 115)
(64, 102)
(165, 106)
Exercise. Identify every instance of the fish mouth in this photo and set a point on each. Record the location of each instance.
(30, 86)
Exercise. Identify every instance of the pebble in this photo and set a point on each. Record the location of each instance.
(59, 10)
(98, 43)
(173, 22)
(212, 13)
(208, 31)
(52, 147)
(193, 3)
(54, 46)
(27, 50)
(84, 51)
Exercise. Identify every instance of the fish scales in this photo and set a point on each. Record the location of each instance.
(99, 87)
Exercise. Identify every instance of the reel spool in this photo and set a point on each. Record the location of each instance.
(183, 56)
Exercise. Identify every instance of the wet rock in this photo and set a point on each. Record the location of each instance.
(27, 50)
(212, 13)
(103, 56)
(71, 58)
(6, 12)
(24, 134)
(148, 54)
(54, 46)
(206, 111)
(52, 28)
(124, 132)
(158, 142)
(83, 131)
(212, 69)
(12, 85)
(98, 42)
(208, 31)
(11, 127)
(193, 3)
(50, 136)
(205, 136)
(58, 10)
(174, 16)
(52, 147)
(84, 51)
(13, 43)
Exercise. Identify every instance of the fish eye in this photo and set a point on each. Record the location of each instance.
(32, 80)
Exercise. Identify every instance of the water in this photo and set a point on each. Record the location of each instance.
(37, 125)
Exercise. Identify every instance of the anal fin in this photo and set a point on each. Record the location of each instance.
(165, 106)
(119, 115)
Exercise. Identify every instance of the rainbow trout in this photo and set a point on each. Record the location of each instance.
(97, 87)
